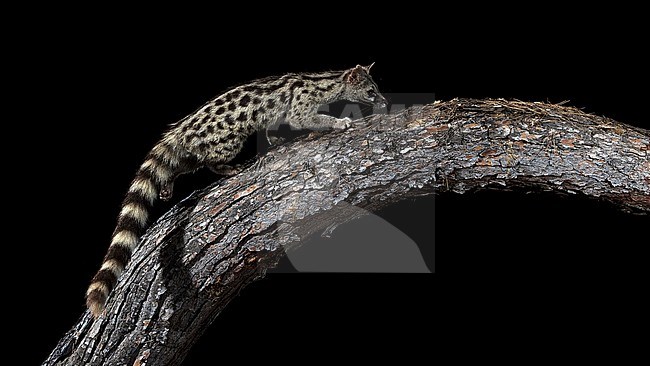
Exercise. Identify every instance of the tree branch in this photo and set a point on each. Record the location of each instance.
(206, 249)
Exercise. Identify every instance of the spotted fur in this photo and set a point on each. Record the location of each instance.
(212, 136)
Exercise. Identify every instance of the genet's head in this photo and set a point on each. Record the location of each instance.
(359, 87)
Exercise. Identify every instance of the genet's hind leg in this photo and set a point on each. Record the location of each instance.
(166, 188)
(219, 159)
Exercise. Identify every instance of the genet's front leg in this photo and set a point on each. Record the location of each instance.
(320, 122)
(333, 122)
(273, 140)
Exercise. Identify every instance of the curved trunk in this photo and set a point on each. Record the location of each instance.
(201, 253)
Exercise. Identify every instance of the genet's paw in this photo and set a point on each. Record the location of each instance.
(166, 193)
(342, 123)
(273, 140)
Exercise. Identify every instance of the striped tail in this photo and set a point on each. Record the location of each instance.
(155, 172)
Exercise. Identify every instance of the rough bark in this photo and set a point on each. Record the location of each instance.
(200, 254)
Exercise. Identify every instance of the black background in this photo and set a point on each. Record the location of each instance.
(94, 95)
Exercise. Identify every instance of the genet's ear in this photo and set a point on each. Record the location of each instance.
(355, 75)
(367, 68)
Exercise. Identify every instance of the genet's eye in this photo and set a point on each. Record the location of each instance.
(371, 95)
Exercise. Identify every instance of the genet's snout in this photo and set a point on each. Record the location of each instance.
(380, 102)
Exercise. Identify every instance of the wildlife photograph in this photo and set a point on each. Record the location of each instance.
(188, 199)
